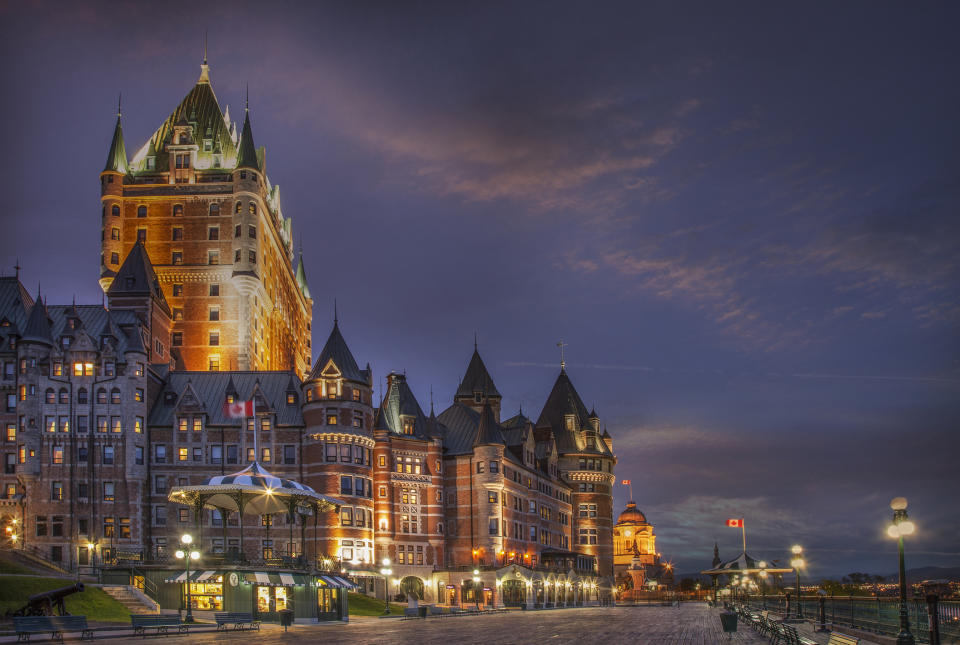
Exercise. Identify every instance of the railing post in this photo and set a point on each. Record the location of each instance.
(822, 600)
(933, 618)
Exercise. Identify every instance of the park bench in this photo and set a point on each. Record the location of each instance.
(842, 639)
(787, 634)
(56, 625)
(436, 610)
(236, 618)
(161, 622)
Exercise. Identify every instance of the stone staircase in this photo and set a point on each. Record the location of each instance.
(133, 599)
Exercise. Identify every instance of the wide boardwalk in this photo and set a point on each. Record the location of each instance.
(691, 623)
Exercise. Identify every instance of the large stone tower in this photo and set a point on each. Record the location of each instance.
(198, 198)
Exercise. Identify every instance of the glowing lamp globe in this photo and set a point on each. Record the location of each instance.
(899, 503)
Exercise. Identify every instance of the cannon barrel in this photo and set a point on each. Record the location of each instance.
(56, 594)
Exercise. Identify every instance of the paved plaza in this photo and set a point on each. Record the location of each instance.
(689, 624)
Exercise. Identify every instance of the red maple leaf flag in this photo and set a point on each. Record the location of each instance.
(238, 409)
(735, 523)
(625, 482)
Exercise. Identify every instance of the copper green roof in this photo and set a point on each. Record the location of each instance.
(302, 278)
(200, 109)
(117, 157)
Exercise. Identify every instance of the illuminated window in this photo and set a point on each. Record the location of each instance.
(331, 419)
(178, 210)
(265, 455)
(251, 455)
(182, 454)
(138, 395)
(115, 395)
(102, 424)
(214, 363)
(138, 369)
(182, 424)
(56, 492)
(57, 455)
(253, 208)
(177, 290)
(213, 257)
(197, 424)
(176, 257)
(11, 432)
(116, 425)
(138, 424)
(50, 423)
(49, 396)
(238, 207)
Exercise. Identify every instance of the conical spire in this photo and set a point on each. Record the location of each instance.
(477, 378)
(336, 350)
(117, 157)
(248, 152)
(38, 325)
(302, 276)
(204, 68)
(488, 430)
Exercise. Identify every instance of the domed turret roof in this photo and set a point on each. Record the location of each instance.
(632, 515)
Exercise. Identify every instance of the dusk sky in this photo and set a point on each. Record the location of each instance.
(741, 217)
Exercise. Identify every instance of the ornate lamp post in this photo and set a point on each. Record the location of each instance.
(797, 562)
(902, 526)
(763, 582)
(476, 588)
(186, 540)
(385, 572)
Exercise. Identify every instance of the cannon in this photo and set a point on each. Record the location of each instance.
(44, 603)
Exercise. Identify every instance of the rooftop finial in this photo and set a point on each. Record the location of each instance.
(474, 341)
(247, 107)
(205, 33)
(204, 68)
(16, 267)
(119, 104)
(335, 317)
(431, 399)
(563, 363)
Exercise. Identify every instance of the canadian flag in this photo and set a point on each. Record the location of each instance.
(735, 523)
(625, 482)
(238, 409)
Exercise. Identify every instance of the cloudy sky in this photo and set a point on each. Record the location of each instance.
(742, 218)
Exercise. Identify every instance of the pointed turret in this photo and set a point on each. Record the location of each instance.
(337, 352)
(38, 325)
(477, 388)
(488, 430)
(136, 276)
(247, 157)
(117, 157)
(302, 277)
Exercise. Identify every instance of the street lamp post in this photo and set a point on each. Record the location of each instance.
(763, 582)
(186, 540)
(902, 526)
(476, 588)
(385, 572)
(797, 563)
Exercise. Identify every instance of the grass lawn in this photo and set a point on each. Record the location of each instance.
(8, 566)
(364, 605)
(93, 603)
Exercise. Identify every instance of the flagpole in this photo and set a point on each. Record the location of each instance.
(631, 490)
(743, 529)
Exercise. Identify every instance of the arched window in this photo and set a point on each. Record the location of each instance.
(178, 210)
(101, 396)
(64, 396)
(82, 395)
(214, 210)
(50, 396)
(141, 211)
(238, 208)
(253, 208)
(115, 211)
(115, 395)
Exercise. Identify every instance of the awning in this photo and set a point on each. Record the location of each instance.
(335, 582)
(196, 576)
(276, 579)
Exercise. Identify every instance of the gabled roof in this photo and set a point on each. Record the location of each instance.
(38, 325)
(398, 402)
(336, 350)
(210, 389)
(477, 378)
(200, 108)
(488, 430)
(136, 276)
(117, 157)
(248, 151)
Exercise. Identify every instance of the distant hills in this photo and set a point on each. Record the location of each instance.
(913, 575)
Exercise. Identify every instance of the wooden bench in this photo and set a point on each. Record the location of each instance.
(25, 626)
(161, 622)
(788, 635)
(236, 618)
(842, 639)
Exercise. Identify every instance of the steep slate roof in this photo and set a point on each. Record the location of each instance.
(400, 401)
(136, 276)
(15, 305)
(460, 428)
(117, 157)
(95, 320)
(199, 107)
(488, 430)
(336, 350)
(211, 390)
(514, 428)
(564, 400)
(248, 151)
(302, 277)
(477, 378)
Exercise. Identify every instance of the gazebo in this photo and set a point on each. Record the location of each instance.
(253, 490)
(742, 565)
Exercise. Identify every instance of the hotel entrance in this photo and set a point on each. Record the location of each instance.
(514, 593)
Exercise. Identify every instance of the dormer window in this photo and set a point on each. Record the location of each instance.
(231, 398)
(478, 397)
(291, 398)
(151, 163)
(184, 138)
(208, 145)
(570, 422)
(407, 425)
